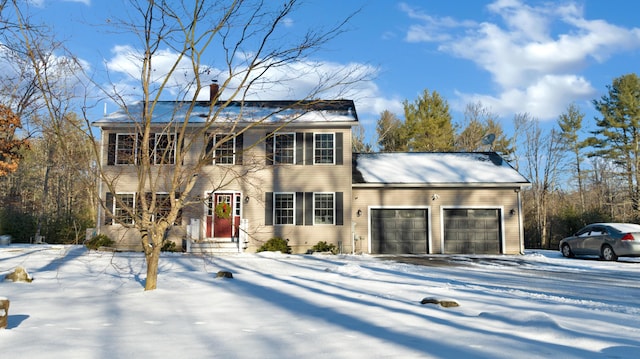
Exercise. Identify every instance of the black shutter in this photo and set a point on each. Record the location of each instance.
(339, 209)
(268, 144)
(299, 148)
(268, 208)
(208, 139)
(239, 148)
(111, 150)
(108, 219)
(308, 211)
(308, 143)
(339, 148)
(300, 208)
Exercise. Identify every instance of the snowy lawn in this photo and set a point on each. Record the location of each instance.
(85, 304)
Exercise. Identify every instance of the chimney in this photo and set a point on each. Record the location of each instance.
(213, 92)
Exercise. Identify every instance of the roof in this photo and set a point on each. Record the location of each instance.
(434, 168)
(243, 111)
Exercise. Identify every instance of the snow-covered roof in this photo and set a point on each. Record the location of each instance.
(245, 111)
(437, 168)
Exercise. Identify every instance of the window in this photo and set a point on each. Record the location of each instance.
(323, 208)
(323, 148)
(163, 148)
(283, 208)
(224, 150)
(123, 205)
(284, 148)
(125, 149)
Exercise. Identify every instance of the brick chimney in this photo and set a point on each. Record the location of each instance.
(213, 92)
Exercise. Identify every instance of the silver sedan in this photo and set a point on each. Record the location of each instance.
(606, 240)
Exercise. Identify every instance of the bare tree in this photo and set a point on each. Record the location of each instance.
(543, 154)
(254, 43)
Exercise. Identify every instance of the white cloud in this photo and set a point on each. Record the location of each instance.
(293, 80)
(536, 68)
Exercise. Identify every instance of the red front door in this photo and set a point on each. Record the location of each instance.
(220, 213)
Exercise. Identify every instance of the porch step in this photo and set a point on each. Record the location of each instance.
(212, 247)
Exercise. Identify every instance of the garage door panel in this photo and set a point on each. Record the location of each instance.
(399, 231)
(472, 231)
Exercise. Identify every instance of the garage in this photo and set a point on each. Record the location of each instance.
(475, 231)
(399, 231)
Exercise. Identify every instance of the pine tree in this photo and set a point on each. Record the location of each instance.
(428, 124)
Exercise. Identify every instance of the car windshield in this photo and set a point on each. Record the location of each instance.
(625, 227)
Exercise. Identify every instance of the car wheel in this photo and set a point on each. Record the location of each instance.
(608, 254)
(566, 251)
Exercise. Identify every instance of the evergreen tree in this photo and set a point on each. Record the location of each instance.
(428, 124)
(570, 123)
(617, 137)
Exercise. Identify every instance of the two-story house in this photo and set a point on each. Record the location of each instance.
(286, 169)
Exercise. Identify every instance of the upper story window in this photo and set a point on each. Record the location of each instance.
(126, 149)
(324, 148)
(284, 148)
(225, 146)
(163, 149)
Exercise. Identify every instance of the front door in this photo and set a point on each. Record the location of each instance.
(220, 214)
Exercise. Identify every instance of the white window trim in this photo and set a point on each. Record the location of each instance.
(274, 209)
(333, 194)
(333, 161)
(274, 149)
(114, 206)
(135, 148)
(155, 149)
(233, 150)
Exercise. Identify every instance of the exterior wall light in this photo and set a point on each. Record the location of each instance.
(359, 213)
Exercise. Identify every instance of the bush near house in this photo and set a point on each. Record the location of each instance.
(98, 241)
(323, 246)
(275, 244)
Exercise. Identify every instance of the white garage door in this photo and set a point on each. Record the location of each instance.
(472, 231)
(399, 231)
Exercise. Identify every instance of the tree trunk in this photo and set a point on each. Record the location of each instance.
(152, 256)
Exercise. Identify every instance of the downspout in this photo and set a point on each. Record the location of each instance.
(99, 179)
(520, 220)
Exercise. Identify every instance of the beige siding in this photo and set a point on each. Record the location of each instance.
(253, 179)
(437, 199)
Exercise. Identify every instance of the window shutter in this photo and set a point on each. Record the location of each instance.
(268, 208)
(111, 150)
(300, 204)
(308, 201)
(339, 148)
(299, 148)
(339, 209)
(308, 143)
(108, 220)
(268, 144)
(239, 148)
(208, 139)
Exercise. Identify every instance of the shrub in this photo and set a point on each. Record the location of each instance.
(98, 241)
(323, 246)
(169, 246)
(275, 244)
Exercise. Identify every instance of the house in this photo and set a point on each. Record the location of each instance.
(286, 169)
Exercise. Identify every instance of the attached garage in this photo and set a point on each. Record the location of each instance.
(472, 231)
(399, 231)
(436, 203)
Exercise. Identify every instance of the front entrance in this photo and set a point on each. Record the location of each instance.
(222, 215)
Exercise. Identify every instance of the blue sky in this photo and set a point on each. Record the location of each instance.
(513, 56)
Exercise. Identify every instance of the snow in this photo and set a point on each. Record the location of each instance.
(84, 304)
(176, 112)
(434, 168)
